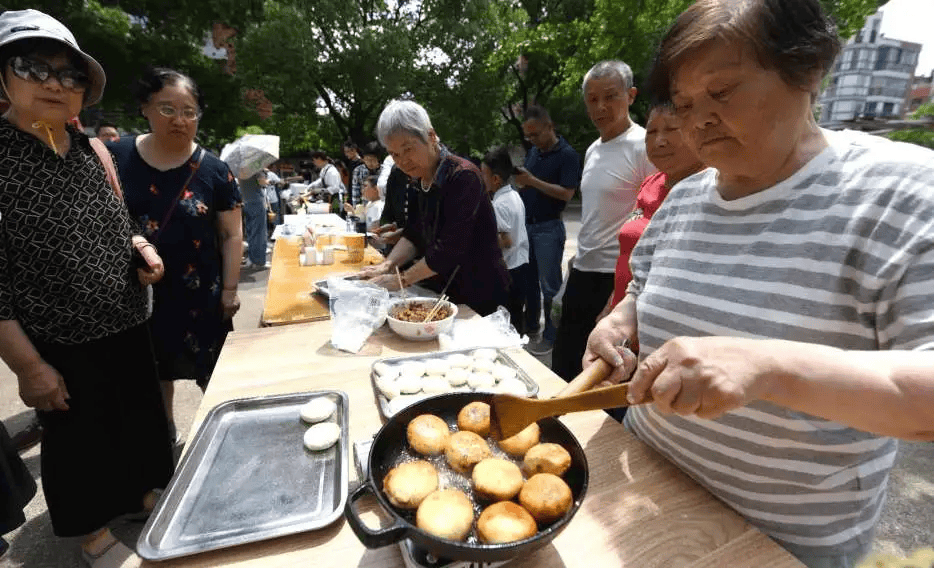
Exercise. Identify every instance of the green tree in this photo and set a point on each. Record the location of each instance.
(922, 136)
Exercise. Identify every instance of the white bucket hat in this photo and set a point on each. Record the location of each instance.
(25, 24)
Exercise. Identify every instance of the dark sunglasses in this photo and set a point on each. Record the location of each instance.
(38, 72)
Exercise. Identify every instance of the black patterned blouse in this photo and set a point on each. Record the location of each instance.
(65, 252)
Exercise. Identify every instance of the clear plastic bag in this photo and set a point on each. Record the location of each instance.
(494, 330)
(357, 309)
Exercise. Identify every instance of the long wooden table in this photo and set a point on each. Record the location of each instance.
(639, 510)
(289, 297)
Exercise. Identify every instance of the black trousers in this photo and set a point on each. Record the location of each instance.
(100, 457)
(517, 296)
(585, 297)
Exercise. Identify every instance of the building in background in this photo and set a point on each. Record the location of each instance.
(871, 77)
(920, 92)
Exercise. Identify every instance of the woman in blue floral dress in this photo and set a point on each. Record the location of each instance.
(188, 205)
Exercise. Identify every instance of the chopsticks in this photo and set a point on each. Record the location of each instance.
(399, 276)
(435, 308)
(443, 297)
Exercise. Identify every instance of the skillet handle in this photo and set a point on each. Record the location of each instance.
(369, 537)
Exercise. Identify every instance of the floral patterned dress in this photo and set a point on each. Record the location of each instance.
(188, 326)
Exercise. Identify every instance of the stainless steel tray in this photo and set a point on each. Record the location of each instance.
(248, 477)
(501, 357)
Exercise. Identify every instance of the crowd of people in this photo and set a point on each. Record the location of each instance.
(773, 278)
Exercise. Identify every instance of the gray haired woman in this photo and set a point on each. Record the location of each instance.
(451, 225)
(783, 298)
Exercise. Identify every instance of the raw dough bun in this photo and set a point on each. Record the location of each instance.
(436, 366)
(317, 409)
(428, 434)
(503, 372)
(460, 360)
(388, 387)
(409, 384)
(322, 436)
(496, 479)
(485, 353)
(446, 513)
(546, 496)
(466, 449)
(404, 401)
(475, 417)
(407, 485)
(416, 368)
(482, 366)
(505, 522)
(513, 387)
(435, 384)
(457, 376)
(546, 458)
(386, 370)
(480, 381)
(517, 445)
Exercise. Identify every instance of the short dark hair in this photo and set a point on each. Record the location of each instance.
(104, 124)
(43, 47)
(154, 79)
(321, 155)
(539, 113)
(795, 38)
(500, 162)
(351, 144)
(373, 149)
(372, 180)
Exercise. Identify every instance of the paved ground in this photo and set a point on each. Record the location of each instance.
(907, 523)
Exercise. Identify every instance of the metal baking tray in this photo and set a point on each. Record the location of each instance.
(248, 477)
(501, 357)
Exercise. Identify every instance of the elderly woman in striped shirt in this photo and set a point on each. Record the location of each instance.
(783, 299)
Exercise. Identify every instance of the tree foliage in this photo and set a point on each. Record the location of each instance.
(920, 136)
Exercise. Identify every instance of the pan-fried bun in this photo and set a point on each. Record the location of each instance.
(475, 417)
(505, 522)
(428, 434)
(522, 442)
(465, 450)
(446, 513)
(546, 496)
(546, 458)
(496, 479)
(407, 485)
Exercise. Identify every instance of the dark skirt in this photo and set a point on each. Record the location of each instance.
(100, 457)
(17, 486)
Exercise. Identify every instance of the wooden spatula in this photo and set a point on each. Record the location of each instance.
(509, 414)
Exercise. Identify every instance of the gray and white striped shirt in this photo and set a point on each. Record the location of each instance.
(842, 254)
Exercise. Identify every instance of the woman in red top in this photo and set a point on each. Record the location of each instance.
(675, 161)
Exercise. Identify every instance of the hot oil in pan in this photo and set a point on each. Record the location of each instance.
(450, 479)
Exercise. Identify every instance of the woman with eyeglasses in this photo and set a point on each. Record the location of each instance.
(189, 206)
(73, 267)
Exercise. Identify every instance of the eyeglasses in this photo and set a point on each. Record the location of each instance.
(39, 72)
(187, 113)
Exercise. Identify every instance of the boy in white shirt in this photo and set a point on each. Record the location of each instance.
(496, 169)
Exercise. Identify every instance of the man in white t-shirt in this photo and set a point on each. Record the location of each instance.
(614, 167)
(496, 169)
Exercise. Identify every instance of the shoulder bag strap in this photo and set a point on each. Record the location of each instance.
(194, 165)
(103, 154)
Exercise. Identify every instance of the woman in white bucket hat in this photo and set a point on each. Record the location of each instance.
(73, 307)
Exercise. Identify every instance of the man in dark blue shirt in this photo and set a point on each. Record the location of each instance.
(548, 181)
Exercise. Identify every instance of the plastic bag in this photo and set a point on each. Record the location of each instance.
(558, 301)
(494, 330)
(357, 309)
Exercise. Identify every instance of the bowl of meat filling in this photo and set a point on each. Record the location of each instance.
(409, 317)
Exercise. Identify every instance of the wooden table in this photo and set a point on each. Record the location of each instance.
(639, 510)
(289, 297)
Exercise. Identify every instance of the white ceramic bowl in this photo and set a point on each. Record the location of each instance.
(418, 331)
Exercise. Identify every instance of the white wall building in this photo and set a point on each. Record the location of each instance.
(870, 78)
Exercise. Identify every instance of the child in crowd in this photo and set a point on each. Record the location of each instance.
(374, 202)
(497, 168)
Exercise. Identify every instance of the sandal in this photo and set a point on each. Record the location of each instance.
(150, 500)
(114, 554)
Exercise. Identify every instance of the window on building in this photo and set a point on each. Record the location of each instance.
(888, 109)
(869, 109)
(859, 37)
(872, 36)
(881, 57)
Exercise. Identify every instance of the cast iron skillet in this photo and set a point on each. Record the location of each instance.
(391, 441)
